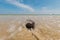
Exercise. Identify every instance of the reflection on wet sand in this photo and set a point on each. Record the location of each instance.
(13, 28)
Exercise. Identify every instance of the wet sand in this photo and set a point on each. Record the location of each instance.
(12, 27)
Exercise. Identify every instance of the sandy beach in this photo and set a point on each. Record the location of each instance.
(12, 27)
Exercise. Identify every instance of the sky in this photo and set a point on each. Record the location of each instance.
(29, 6)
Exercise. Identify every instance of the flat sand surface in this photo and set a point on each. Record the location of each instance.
(12, 27)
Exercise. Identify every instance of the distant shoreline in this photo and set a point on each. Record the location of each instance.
(32, 14)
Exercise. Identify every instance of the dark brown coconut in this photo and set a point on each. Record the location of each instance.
(30, 25)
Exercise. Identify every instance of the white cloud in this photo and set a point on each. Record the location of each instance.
(46, 10)
(15, 2)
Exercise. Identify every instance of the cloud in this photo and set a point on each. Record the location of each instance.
(16, 3)
(46, 10)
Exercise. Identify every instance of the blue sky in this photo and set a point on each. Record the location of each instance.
(29, 6)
